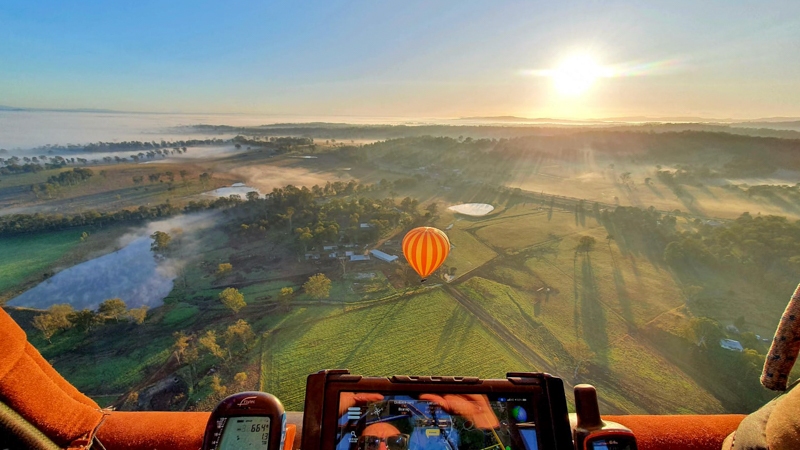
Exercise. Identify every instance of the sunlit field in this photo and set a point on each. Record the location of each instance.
(521, 280)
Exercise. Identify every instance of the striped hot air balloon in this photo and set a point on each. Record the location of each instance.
(425, 249)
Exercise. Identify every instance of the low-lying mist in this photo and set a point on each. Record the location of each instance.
(130, 271)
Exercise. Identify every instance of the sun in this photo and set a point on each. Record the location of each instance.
(575, 75)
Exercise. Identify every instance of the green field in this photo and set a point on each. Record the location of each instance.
(425, 334)
(611, 316)
(27, 256)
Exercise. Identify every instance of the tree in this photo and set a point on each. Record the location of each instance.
(181, 344)
(432, 209)
(160, 241)
(84, 319)
(204, 179)
(113, 308)
(61, 313)
(240, 379)
(46, 324)
(224, 268)
(217, 387)
(288, 215)
(238, 332)
(585, 244)
(285, 297)
(138, 315)
(209, 342)
(704, 332)
(318, 286)
(232, 299)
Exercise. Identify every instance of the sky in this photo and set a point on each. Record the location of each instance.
(426, 59)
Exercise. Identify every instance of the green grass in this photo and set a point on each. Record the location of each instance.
(26, 256)
(467, 253)
(180, 314)
(426, 334)
(521, 231)
(517, 314)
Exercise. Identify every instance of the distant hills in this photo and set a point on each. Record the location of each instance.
(91, 110)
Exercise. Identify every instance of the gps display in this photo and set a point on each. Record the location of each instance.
(245, 433)
(436, 422)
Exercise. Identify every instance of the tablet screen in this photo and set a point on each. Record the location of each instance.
(372, 421)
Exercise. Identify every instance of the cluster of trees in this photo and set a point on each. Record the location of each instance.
(11, 167)
(313, 223)
(762, 249)
(739, 370)
(189, 349)
(279, 145)
(32, 223)
(55, 182)
(63, 316)
(646, 230)
(692, 176)
(103, 147)
(778, 194)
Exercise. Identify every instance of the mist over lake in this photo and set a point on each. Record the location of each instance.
(132, 272)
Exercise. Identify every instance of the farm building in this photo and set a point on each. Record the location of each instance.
(730, 344)
(383, 256)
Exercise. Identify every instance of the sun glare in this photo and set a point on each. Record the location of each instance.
(575, 75)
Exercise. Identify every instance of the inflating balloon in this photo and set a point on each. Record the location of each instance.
(425, 249)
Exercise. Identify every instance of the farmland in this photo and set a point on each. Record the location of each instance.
(549, 281)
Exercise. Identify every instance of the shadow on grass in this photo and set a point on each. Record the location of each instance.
(656, 191)
(454, 334)
(622, 294)
(376, 333)
(593, 323)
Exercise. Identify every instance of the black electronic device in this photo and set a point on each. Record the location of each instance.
(524, 411)
(591, 432)
(246, 421)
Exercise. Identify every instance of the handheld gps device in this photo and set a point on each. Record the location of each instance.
(246, 421)
(594, 433)
(524, 411)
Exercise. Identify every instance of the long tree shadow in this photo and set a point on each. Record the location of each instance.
(622, 294)
(374, 334)
(782, 203)
(592, 313)
(689, 201)
(656, 191)
(454, 334)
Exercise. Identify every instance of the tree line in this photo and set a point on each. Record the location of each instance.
(54, 182)
(64, 316)
(15, 224)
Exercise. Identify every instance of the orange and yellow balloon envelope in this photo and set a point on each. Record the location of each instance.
(425, 249)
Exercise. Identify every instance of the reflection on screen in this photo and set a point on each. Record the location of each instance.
(528, 436)
(611, 444)
(434, 422)
(245, 433)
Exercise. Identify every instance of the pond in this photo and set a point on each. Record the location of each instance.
(132, 272)
(239, 189)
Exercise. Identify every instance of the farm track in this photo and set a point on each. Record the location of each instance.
(505, 335)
